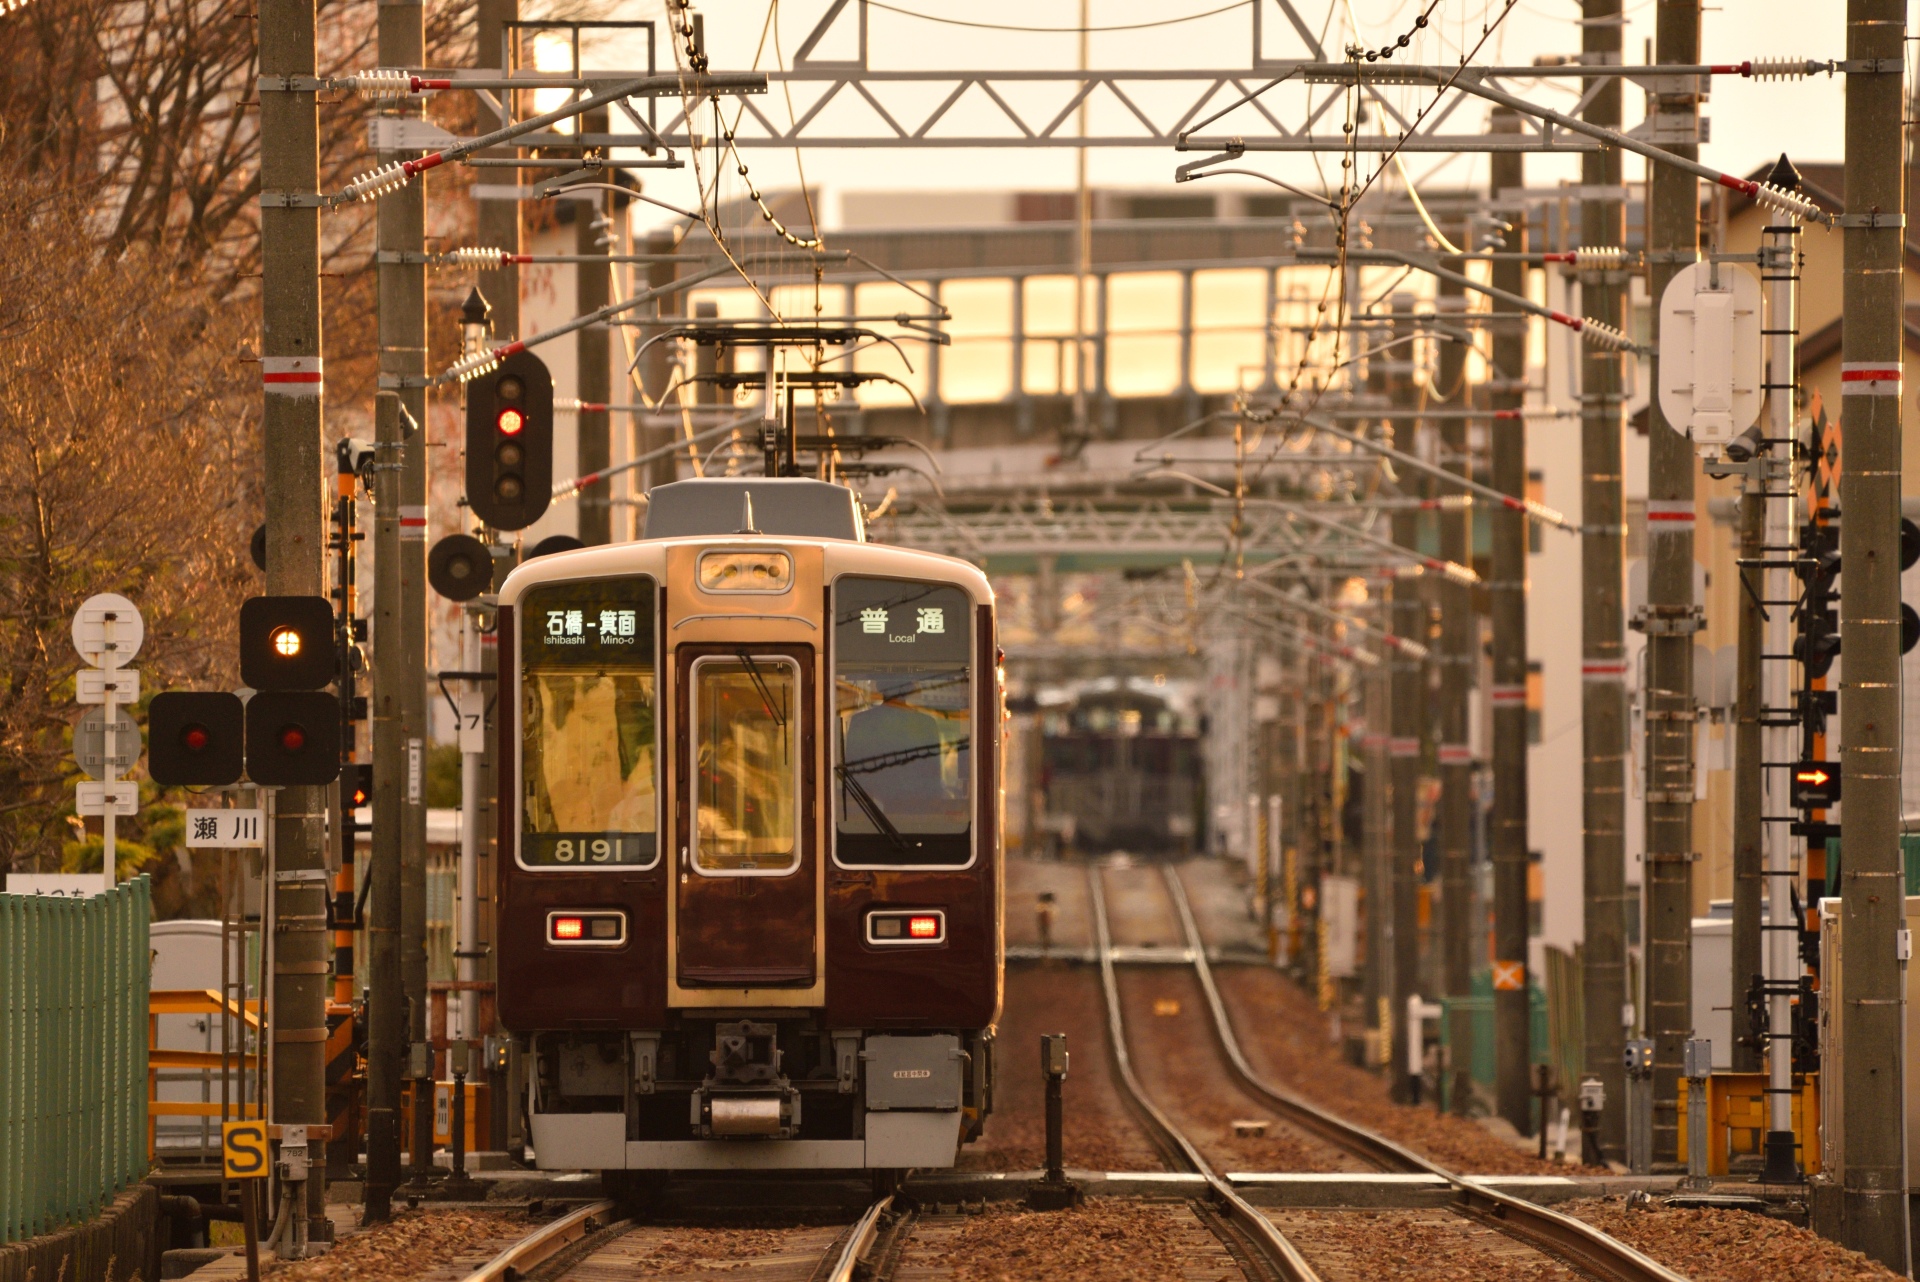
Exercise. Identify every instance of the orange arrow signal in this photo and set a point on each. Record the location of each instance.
(1815, 777)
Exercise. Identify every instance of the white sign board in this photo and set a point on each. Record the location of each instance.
(1340, 920)
(93, 798)
(55, 885)
(1710, 352)
(228, 829)
(472, 706)
(107, 630)
(93, 685)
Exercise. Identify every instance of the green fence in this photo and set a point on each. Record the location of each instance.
(1479, 1008)
(73, 1055)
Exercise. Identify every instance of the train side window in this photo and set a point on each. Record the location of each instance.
(903, 724)
(589, 796)
(746, 767)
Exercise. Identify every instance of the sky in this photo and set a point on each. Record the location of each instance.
(1751, 122)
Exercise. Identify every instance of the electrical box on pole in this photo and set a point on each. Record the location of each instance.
(510, 442)
(1710, 349)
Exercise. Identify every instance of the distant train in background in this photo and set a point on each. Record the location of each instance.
(1120, 769)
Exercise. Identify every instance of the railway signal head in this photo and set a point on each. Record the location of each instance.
(293, 737)
(510, 442)
(460, 567)
(195, 739)
(286, 643)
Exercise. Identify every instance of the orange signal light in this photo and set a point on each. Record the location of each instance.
(923, 927)
(569, 928)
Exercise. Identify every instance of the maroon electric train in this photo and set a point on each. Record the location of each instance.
(750, 909)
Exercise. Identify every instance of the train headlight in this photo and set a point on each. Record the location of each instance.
(746, 572)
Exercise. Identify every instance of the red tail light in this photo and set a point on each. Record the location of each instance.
(569, 928)
(923, 928)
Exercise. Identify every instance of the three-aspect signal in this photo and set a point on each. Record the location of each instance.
(510, 442)
(287, 733)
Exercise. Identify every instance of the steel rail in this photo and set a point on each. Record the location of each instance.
(1259, 1231)
(859, 1242)
(1571, 1240)
(544, 1243)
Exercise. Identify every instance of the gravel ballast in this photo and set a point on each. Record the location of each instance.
(1716, 1245)
(412, 1246)
(1100, 1134)
(1107, 1240)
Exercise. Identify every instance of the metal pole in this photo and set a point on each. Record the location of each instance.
(497, 223)
(1457, 633)
(1747, 821)
(386, 999)
(291, 369)
(467, 946)
(1507, 593)
(592, 290)
(1672, 617)
(1603, 665)
(1376, 854)
(655, 367)
(1779, 736)
(1872, 915)
(1409, 712)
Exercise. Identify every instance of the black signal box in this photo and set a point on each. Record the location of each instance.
(510, 442)
(286, 643)
(1816, 785)
(196, 739)
(293, 738)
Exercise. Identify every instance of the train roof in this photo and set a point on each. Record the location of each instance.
(794, 506)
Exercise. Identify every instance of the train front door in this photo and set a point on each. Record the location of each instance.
(746, 908)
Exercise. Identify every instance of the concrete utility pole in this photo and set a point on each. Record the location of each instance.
(1507, 594)
(1409, 712)
(291, 378)
(397, 923)
(1747, 823)
(1377, 857)
(1603, 664)
(1872, 909)
(498, 226)
(1672, 616)
(592, 290)
(1458, 630)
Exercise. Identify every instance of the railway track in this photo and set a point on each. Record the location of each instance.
(1585, 1250)
(598, 1244)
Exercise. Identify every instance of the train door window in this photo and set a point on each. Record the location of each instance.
(587, 688)
(746, 766)
(903, 724)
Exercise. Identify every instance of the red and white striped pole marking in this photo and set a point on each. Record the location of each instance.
(1603, 670)
(1670, 516)
(1507, 696)
(1399, 747)
(301, 376)
(413, 523)
(1455, 754)
(1869, 378)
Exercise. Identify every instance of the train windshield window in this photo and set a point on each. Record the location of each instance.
(746, 764)
(903, 703)
(587, 695)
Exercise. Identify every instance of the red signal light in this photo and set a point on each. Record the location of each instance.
(292, 738)
(923, 928)
(569, 927)
(195, 738)
(510, 422)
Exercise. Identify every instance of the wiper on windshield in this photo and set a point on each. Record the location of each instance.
(766, 694)
(872, 810)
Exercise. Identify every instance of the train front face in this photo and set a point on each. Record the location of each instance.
(752, 917)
